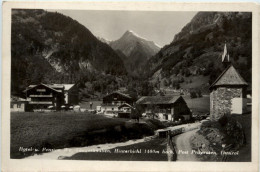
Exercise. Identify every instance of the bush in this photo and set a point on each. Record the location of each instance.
(235, 132)
(207, 124)
(223, 120)
(193, 94)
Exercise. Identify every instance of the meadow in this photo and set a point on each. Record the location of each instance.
(199, 105)
(69, 129)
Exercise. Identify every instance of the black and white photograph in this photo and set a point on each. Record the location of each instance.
(131, 85)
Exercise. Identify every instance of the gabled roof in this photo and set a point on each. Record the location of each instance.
(158, 99)
(33, 86)
(229, 76)
(117, 92)
(55, 86)
(66, 86)
(125, 104)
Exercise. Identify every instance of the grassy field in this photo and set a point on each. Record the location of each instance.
(198, 105)
(197, 82)
(62, 129)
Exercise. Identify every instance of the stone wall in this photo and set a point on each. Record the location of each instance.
(220, 100)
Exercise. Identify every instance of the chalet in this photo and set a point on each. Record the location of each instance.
(165, 107)
(18, 104)
(116, 102)
(228, 94)
(41, 97)
(51, 96)
(70, 93)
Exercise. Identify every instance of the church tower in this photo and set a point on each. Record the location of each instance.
(225, 57)
(228, 92)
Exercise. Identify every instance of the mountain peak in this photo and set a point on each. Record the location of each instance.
(130, 39)
(130, 33)
(132, 36)
(136, 48)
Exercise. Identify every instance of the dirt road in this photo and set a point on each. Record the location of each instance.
(183, 146)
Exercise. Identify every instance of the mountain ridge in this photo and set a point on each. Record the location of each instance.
(55, 48)
(196, 50)
(137, 50)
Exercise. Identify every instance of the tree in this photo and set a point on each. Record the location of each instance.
(132, 93)
(193, 94)
(154, 110)
(146, 89)
(165, 83)
(199, 93)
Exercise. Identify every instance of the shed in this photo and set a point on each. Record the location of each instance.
(18, 104)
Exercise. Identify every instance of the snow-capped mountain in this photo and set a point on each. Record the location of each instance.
(136, 48)
(130, 40)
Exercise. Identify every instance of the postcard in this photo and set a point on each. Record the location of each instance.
(130, 86)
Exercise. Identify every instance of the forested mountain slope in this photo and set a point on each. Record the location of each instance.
(50, 47)
(193, 59)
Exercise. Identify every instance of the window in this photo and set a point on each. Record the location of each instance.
(18, 105)
(112, 108)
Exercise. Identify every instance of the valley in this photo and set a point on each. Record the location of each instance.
(131, 63)
(73, 88)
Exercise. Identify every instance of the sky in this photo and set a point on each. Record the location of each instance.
(157, 26)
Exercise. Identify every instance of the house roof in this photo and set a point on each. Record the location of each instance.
(229, 76)
(66, 86)
(48, 86)
(158, 99)
(125, 104)
(54, 87)
(122, 94)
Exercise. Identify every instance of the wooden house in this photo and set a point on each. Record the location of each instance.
(165, 107)
(112, 102)
(43, 97)
(228, 94)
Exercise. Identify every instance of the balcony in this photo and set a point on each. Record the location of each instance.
(41, 95)
(109, 104)
(41, 102)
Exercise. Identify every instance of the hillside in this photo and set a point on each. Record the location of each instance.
(196, 51)
(136, 51)
(50, 47)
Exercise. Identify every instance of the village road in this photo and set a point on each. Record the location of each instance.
(183, 146)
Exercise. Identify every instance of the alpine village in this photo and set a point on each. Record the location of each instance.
(189, 100)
